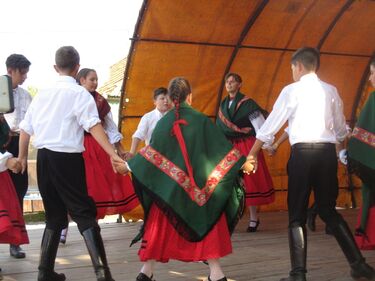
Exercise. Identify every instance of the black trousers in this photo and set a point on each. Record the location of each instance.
(20, 181)
(312, 167)
(62, 185)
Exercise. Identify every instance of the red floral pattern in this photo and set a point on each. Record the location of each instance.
(231, 125)
(364, 136)
(198, 195)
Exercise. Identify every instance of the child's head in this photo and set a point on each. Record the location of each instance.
(67, 60)
(17, 68)
(178, 90)
(305, 60)
(161, 99)
(88, 78)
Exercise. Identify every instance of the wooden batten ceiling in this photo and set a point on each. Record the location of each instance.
(203, 40)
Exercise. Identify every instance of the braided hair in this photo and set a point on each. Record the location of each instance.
(178, 90)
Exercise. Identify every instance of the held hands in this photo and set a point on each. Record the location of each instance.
(272, 149)
(119, 165)
(128, 156)
(14, 165)
(251, 165)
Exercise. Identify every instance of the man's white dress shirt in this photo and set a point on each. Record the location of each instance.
(313, 109)
(58, 116)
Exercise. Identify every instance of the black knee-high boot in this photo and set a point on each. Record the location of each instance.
(95, 246)
(48, 251)
(298, 252)
(344, 236)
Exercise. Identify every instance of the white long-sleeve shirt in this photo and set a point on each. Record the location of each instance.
(111, 129)
(313, 109)
(58, 116)
(147, 125)
(3, 160)
(22, 100)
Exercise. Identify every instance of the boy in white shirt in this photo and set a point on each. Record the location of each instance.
(148, 121)
(316, 124)
(57, 118)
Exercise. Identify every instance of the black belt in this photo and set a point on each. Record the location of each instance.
(313, 145)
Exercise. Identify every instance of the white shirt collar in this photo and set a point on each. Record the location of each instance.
(65, 78)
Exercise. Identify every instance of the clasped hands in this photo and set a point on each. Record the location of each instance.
(119, 165)
(14, 165)
(251, 165)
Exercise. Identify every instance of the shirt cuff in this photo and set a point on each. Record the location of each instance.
(114, 138)
(268, 140)
(26, 127)
(88, 124)
(3, 160)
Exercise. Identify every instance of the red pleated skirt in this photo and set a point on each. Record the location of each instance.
(259, 186)
(113, 193)
(367, 241)
(161, 241)
(12, 225)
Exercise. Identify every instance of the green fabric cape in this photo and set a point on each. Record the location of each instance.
(4, 133)
(361, 146)
(234, 114)
(193, 216)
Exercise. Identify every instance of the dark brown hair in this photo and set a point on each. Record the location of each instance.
(178, 89)
(160, 91)
(17, 61)
(308, 57)
(234, 75)
(83, 74)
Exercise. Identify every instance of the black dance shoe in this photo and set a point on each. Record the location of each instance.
(222, 279)
(16, 252)
(143, 277)
(253, 228)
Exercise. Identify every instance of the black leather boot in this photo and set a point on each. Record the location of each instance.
(48, 251)
(95, 246)
(344, 237)
(298, 252)
(311, 218)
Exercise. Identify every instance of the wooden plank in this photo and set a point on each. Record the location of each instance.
(260, 256)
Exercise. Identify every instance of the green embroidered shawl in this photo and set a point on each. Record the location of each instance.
(4, 133)
(160, 175)
(234, 121)
(361, 145)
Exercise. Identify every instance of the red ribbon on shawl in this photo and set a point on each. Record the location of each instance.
(176, 130)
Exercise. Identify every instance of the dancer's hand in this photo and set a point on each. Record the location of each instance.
(120, 166)
(14, 165)
(250, 166)
(128, 156)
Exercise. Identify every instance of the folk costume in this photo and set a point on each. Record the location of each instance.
(112, 192)
(235, 120)
(312, 166)
(186, 182)
(361, 152)
(12, 225)
(61, 171)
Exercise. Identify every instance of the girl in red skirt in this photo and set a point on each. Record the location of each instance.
(12, 225)
(186, 181)
(239, 118)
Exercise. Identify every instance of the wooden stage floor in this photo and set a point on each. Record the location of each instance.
(260, 256)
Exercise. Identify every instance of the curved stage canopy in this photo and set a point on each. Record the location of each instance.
(203, 40)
